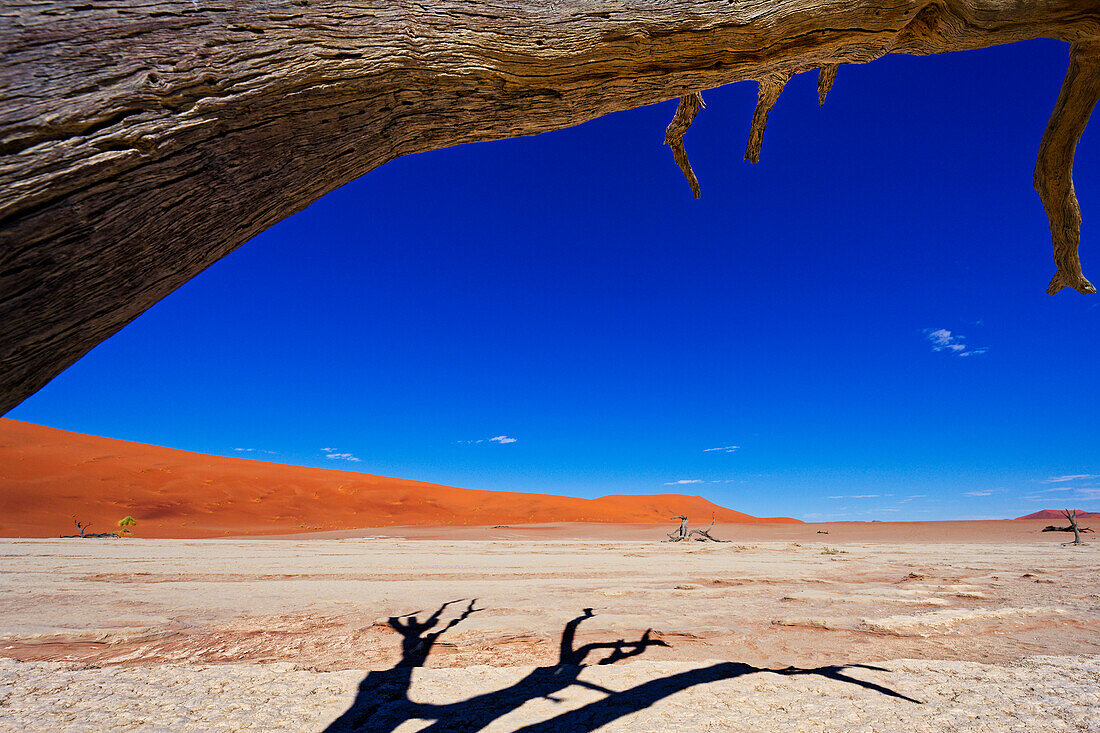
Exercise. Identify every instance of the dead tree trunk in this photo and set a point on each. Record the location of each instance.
(681, 534)
(140, 142)
(1072, 527)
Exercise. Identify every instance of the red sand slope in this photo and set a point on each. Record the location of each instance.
(48, 476)
(1057, 514)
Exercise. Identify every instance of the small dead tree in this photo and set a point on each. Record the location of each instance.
(683, 533)
(81, 527)
(1073, 527)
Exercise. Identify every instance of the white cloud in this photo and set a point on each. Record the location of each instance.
(943, 340)
(256, 450)
(859, 496)
(724, 449)
(685, 481)
(332, 454)
(499, 439)
(1073, 477)
(977, 493)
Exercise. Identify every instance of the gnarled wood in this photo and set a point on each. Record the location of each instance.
(686, 110)
(142, 141)
(1054, 169)
(826, 75)
(767, 94)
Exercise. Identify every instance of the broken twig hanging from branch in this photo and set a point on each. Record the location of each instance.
(674, 136)
(826, 75)
(1054, 169)
(766, 95)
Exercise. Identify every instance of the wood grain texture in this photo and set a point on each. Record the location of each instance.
(686, 110)
(142, 140)
(826, 75)
(767, 94)
(1054, 168)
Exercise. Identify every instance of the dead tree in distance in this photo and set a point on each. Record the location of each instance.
(684, 533)
(86, 535)
(1073, 527)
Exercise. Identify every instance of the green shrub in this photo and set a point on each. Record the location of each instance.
(125, 523)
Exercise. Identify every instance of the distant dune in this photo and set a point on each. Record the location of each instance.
(1057, 514)
(48, 476)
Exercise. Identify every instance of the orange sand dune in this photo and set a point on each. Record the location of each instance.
(48, 476)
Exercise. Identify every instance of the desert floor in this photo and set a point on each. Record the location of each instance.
(834, 633)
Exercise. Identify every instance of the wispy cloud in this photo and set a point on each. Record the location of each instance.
(256, 450)
(1071, 477)
(860, 496)
(724, 449)
(500, 439)
(1089, 493)
(978, 493)
(685, 481)
(943, 340)
(332, 454)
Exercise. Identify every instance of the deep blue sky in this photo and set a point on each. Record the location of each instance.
(567, 292)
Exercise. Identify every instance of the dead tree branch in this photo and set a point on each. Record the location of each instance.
(1054, 168)
(142, 142)
(767, 94)
(686, 110)
(826, 75)
(704, 534)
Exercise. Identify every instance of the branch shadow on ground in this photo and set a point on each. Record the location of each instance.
(383, 704)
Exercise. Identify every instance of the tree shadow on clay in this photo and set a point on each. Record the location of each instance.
(383, 703)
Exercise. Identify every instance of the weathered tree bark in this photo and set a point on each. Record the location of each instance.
(141, 141)
(1054, 169)
(686, 110)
